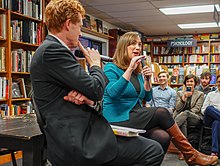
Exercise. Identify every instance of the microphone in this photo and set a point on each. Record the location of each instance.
(104, 58)
(143, 62)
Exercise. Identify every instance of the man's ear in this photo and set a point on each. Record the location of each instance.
(67, 24)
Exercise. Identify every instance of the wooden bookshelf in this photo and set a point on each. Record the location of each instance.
(14, 45)
(21, 99)
(207, 50)
(2, 10)
(23, 32)
(95, 33)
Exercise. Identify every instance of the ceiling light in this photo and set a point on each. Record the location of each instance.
(198, 25)
(189, 9)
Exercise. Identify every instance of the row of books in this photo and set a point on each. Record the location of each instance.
(177, 73)
(4, 88)
(25, 31)
(15, 109)
(207, 36)
(215, 58)
(21, 60)
(198, 70)
(169, 59)
(215, 48)
(167, 50)
(196, 58)
(2, 59)
(189, 58)
(201, 49)
(32, 8)
(3, 26)
(94, 24)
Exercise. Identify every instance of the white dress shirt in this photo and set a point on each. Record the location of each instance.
(212, 99)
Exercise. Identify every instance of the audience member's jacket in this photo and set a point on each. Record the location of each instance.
(196, 103)
(205, 90)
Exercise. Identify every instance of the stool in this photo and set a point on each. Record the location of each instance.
(9, 151)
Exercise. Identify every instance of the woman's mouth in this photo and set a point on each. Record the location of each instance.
(136, 53)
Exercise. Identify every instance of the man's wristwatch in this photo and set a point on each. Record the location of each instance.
(97, 107)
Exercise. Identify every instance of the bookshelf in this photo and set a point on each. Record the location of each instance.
(21, 29)
(204, 56)
(95, 33)
(115, 33)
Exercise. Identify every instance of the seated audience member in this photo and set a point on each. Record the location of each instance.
(77, 134)
(211, 111)
(188, 105)
(204, 86)
(129, 84)
(163, 95)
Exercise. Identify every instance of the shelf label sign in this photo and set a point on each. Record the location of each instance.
(182, 43)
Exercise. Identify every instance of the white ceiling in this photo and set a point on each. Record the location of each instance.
(145, 16)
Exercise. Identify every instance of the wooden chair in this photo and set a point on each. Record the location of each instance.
(9, 151)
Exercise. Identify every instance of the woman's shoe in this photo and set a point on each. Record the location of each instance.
(191, 155)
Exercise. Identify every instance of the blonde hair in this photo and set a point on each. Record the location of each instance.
(58, 11)
(121, 58)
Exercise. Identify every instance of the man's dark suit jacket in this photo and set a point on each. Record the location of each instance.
(76, 134)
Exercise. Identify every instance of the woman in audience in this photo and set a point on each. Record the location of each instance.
(129, 84)
(188, 105)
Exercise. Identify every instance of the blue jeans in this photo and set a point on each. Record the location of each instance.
(212, 119)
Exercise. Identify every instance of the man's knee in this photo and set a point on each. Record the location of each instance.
(208, 109)
(181, 118)
(156, 154)
(150, 153)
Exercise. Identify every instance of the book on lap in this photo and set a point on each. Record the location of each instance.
(126, 131)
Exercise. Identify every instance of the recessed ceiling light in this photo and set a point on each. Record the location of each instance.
(198, 25)
(189, 9)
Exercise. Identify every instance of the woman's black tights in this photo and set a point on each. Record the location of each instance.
(156, 128)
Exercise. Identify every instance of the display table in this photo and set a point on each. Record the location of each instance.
(23, 133)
